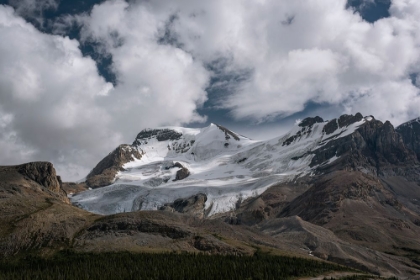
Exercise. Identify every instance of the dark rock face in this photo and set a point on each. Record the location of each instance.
(342, 121)
(182, 173)
(346, 120)
(306, 128)
(311, 121)
(228, 133)
(374, 147)
(160, 134)
(104, 172)
(410, 133)
(177, 164)
(193, 205)
(385, 143)
(331, 126)
(43, 173)
(304, 131)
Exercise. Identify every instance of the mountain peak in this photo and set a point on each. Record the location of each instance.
(310, 121)
(228, 167)
(415, 122)
(410, 133)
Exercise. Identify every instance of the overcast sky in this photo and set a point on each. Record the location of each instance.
(78, 78)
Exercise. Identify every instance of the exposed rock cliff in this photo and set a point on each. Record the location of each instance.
(410, 132)
(374, 147)
(104, 172)
(43, 173)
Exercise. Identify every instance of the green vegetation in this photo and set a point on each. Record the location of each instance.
(359, 277)
(69, 265)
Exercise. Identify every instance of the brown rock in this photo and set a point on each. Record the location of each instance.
(193, 205)
(43, 173)
(104, 172)
(182, 174)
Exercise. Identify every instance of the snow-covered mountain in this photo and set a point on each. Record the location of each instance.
(227, 168)
(345, 190)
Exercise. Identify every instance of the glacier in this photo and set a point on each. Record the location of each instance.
(225, 166)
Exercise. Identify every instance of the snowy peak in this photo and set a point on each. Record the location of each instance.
(215, 140)
(226, 168)
(195, 144)
(318, 131)
(176, 139)
(310, 121)
(228, 133)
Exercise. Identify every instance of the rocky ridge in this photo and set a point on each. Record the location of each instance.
(314, 146)
(105, 171)
(410, 132)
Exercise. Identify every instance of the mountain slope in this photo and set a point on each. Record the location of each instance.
(36, 218)
(35, 213)
(226, 167)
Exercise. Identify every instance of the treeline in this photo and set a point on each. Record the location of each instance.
(115, 266)
(359, 277)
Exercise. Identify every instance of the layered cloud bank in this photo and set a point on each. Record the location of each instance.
(167, 54)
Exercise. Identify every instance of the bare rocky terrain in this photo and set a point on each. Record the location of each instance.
(36, 218)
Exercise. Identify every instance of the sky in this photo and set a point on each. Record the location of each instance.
(78, 78)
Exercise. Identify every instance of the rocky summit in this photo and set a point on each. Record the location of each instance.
(345, 190)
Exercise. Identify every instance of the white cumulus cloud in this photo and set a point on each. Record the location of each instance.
(54, 103)
(280, 56)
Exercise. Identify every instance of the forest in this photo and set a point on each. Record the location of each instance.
(69, 265)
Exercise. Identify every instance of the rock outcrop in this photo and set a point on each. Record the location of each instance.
(410, 132)
(32, 177)
(374, 147)
(105, 171)
(182, 173)
(342, 121)
(42, 173)
(310, 121)
(228, 133)
(159, 134)
(193, 205)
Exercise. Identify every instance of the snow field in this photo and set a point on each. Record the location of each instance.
(226, 170)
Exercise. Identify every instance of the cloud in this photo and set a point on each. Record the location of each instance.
(327, 54)
(266, 59)
(49, 98)
(54, 104)
(156, 83)
(34, 9)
